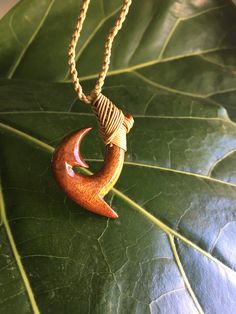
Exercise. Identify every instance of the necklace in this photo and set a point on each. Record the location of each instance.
(88, 191)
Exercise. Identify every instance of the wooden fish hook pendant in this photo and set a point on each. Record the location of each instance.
(88, 191)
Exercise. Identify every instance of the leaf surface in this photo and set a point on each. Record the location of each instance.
(172, 250)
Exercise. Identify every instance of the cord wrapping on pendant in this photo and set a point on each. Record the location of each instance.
(113, 124)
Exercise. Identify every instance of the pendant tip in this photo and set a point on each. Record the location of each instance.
(114, 215)
(103, 209)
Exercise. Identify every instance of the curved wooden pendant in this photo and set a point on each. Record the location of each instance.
(87, 191)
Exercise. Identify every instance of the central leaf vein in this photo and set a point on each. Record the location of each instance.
(132, 203)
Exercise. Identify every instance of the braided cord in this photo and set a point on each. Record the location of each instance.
(72, 53)
(107, 51)
(113, 124)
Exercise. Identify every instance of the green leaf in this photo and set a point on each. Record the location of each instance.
(172, 250)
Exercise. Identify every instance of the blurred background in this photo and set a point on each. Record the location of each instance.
(6, 5)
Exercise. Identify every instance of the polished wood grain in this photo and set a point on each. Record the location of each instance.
(87, 191)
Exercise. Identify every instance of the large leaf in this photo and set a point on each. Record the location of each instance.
(172, 250)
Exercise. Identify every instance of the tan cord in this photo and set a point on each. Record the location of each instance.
(113, 125)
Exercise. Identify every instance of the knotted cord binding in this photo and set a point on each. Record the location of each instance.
(113, 124)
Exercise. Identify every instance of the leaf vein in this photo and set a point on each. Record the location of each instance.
(168, 38)
(185, 278)
(22, 54)
(166, 294)
(220, 160)
(155, 62)
(90, 37)
(17, 257)
(140, 209)
(209, 10)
